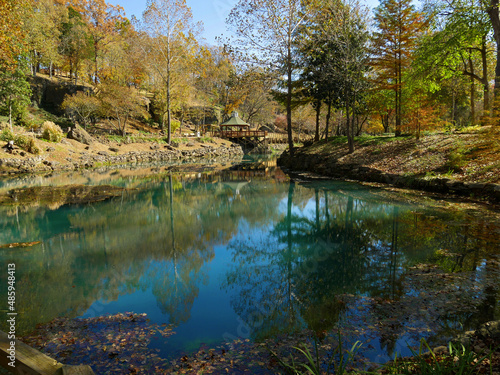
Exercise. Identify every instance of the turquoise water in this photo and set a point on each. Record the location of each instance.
(245, 253)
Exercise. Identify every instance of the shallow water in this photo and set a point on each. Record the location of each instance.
(245, 253)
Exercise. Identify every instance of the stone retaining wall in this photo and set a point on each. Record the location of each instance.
(87, 160)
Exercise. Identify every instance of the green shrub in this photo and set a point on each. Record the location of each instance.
(51, 132)
(6, 135)
(27, 143)
(27, 121)
(22, 141)
(32, 147)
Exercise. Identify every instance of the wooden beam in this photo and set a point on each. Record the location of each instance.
(29, 361)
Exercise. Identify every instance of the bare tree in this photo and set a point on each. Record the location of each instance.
(169, 24)
(266, 31)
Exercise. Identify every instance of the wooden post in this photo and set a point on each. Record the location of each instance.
(29, 361)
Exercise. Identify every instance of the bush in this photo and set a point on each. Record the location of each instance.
(22, 141)
(27, 121)
(32, 147)
(27, 143)
(51, 132)
(7, 135)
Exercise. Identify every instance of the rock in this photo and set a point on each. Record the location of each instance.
(190, 144)
(79, 134)
(440, 350)
(260, 150)
(9, 147)
(490, 330)
(103, 153)
(50, 149)
(464, 339)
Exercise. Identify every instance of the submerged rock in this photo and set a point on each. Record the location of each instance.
(56, 196)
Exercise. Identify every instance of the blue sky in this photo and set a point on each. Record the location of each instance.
(212, 13)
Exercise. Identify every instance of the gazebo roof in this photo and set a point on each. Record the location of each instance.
(234, 121)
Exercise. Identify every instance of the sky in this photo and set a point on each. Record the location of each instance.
(212, 13)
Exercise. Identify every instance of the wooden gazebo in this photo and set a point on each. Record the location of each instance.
(237, 128)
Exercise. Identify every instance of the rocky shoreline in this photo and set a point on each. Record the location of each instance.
(332, 168)
(23, 163)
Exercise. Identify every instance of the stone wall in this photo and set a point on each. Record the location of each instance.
(167, 154)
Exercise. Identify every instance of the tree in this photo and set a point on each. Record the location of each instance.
(267, 32)
(81, 105)
(170, 27)
(12, 35)
(458, 46)
(118, 104)
(103, 21)
(343, 57)
(399, 28)
(43, 31)
(491, 7)
(75, 45)
(15, 93)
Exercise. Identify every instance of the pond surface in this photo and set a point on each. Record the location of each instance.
(245, 253)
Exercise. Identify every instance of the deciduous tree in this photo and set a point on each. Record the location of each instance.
(118, 104)
(267, 31)
(13, 13)
(169, 23)
(399, 26)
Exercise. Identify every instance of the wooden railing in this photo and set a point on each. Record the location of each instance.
(241, 134)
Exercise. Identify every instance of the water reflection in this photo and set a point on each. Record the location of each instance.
(245, 246)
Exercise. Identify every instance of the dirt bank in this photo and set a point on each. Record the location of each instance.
(465, 164)
(70, 154)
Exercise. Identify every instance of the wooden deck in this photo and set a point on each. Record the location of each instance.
(29, 361)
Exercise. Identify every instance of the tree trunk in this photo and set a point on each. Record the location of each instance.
(318, 113)
(494, 14)
(328, 115)
(398, 95)
(10, 114)
(486, 84)
(472, 93)
(337, 133)
(169, 119)
(289, 99)
(350, 140)
(96, 49)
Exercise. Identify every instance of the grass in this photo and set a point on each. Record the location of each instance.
(366, 140)
(135, 139)
(339, 360)
(458, 360)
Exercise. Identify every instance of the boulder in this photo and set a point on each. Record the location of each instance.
(79, 134)
(490, 330)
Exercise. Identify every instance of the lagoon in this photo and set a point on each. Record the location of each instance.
(245, 252)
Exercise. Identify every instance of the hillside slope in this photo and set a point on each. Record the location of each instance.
(466, 163)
